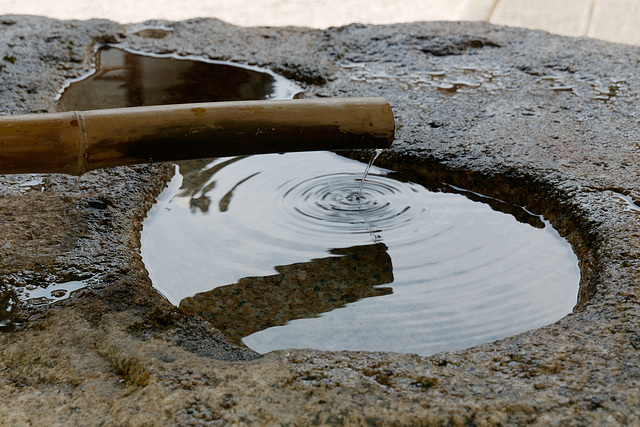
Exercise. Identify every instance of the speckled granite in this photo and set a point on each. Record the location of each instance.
(545, 122)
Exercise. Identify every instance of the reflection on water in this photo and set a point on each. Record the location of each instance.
(297, 291)
(462, 273)
(197, 182)
(126, 79)
(35, 295)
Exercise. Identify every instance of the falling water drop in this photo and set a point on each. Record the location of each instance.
(366, 172)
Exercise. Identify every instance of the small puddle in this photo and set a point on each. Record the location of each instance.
(35, 295)
(34, 290)
(296, 250)
(125, 78)
(22, 184)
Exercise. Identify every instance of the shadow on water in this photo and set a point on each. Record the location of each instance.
(298, 291)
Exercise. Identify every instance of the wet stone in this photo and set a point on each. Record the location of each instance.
(429, 235)
(118, 353)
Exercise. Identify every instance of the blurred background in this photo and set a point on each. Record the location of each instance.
(611, 20)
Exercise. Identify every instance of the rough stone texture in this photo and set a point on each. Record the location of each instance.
(545, 122)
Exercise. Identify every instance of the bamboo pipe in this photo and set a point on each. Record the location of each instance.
(79, 141)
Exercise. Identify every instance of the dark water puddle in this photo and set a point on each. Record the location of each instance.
(296, 250)
(126, 79)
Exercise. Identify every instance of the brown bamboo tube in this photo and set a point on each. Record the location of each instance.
(79, 141)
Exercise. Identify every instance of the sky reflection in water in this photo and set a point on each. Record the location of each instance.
(462, 273)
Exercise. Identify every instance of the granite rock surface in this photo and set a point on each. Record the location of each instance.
(545, 122)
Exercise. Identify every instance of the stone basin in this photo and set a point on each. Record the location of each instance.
(541, 121)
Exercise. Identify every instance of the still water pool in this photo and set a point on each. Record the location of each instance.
(279, 251)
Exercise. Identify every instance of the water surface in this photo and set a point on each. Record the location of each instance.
(253, 243)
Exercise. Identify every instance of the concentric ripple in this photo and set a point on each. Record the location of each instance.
(462, 273)
(333, 204)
